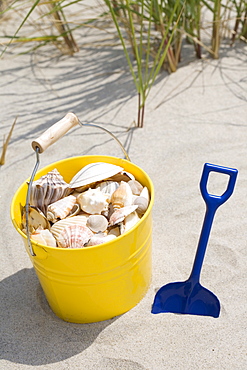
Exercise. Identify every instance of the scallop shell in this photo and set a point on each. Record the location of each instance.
(120, 214)
(74, 236)
(92, 201)
(57, 228)
(36, 219)
(122, 197)
(100, 238)
(61, 208)
(44, 237)
(97, 223)
(135, 186)
(48, 189)
(94, 172)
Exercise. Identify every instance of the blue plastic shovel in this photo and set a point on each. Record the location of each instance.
(190, 297)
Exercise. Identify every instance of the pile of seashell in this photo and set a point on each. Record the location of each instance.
(101, 202)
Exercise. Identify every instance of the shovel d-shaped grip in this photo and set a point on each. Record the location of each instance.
(216, 200)
(212, 203)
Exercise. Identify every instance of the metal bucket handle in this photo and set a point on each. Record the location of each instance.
(49, 137)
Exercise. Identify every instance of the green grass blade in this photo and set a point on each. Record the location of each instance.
(136, 50)
(22, 23)
(161, 54)
(115, 21)
(150, 12)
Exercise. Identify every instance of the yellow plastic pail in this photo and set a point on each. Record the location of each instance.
(94, 283)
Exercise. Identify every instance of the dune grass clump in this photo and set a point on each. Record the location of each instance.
(152, 33)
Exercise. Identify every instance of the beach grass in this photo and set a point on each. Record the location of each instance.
(152, 33)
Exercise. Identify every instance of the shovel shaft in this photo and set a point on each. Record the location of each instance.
(202, 244)
(212, 204)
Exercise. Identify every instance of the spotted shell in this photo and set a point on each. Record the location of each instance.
(92, 201)
(94, 172)
(62, 208)
(57, 228)
(74, 236)
(48, 189)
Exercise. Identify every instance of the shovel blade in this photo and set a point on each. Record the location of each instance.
(186, 298)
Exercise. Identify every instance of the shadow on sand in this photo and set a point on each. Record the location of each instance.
(31, 333)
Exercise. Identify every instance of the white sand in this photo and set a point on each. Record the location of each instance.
(194, 116)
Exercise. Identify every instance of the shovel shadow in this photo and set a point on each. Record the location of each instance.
(31, 333)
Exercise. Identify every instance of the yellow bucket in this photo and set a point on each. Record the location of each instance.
(94, 283)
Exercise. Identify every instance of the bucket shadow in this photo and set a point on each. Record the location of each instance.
(31, 333)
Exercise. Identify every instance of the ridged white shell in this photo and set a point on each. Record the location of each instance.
(93, 172)
(57, 228)
(92, 201)
(74, 236)
(61, 208)
(44, 237)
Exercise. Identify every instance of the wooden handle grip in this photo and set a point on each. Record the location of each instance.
(55, 132)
